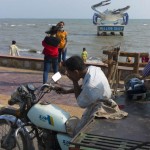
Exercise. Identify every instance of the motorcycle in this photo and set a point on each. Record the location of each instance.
(35, 124)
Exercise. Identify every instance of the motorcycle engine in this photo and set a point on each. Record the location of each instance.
(48, 140)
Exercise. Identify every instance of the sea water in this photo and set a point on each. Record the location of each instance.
(29, 34)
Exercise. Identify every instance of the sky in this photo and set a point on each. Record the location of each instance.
(139, 9)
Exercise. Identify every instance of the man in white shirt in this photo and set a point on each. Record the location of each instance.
(14, 50)
(94, 90)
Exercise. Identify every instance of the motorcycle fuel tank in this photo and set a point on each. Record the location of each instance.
(48, 116)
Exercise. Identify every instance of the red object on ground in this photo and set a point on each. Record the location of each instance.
(121, 106)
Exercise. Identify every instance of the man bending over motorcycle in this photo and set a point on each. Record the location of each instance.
(94, 92)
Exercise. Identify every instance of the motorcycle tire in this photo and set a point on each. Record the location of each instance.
(5, 125)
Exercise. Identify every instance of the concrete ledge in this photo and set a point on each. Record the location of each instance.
(21, 62)
(37, 64)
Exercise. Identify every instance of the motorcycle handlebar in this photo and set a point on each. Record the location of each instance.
(29, 95)
(48, 87)
(45, 88)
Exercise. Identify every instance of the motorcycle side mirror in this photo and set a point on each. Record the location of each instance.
(56, 76)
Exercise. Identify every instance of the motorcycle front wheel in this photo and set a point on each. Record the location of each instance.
(11, 144)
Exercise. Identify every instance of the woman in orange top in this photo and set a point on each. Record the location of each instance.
(62, 48)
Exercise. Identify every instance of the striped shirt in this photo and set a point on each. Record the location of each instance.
(146, 70)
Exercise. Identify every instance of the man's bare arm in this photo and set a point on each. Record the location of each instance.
(77, 88)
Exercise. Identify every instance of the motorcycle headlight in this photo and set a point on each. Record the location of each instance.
(15, 98)
(18, 95)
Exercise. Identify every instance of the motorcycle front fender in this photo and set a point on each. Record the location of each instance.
(12, 119)
(8, 111)
(9, 114)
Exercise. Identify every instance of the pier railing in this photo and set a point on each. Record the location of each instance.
(116, 57)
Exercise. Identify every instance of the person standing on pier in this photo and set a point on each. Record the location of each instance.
(91, 93)
(50, 51)
(62, 35)
(145, 59)
(129, 60)
(146, 71)
(13, 49)
(84, 55)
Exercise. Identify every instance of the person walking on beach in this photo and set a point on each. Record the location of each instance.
(50, 51)
(13, 49)
(94, 90)
(84, 55)
(62, 35)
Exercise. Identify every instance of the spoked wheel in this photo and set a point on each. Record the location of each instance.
(11, 144)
